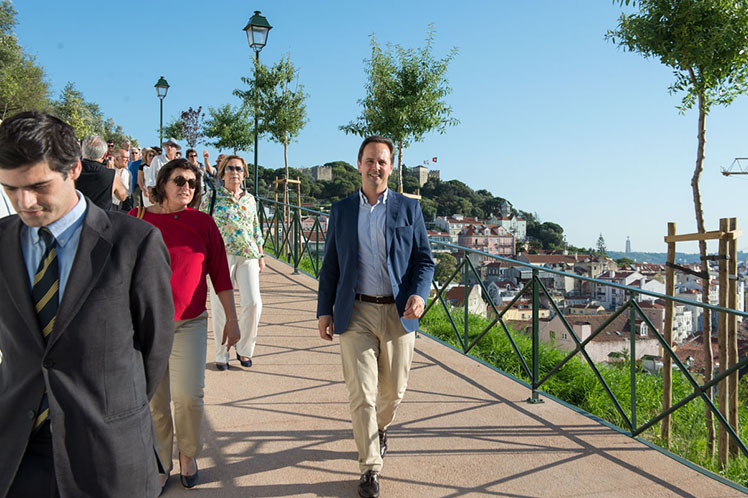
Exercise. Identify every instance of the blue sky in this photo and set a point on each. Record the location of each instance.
(552, 117)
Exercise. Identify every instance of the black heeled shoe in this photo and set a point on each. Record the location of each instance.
(188, 481)
(245, 363)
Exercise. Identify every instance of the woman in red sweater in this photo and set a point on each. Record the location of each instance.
(196, 250)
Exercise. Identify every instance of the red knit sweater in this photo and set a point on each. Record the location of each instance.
(196, 249)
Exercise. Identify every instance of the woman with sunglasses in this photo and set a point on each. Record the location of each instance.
(235, 213)
(196, 249)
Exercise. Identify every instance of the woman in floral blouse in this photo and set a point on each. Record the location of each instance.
(235, 213)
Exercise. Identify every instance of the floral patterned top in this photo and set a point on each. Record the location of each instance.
(238, 223)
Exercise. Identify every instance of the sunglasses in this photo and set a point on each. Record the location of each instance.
(180, 181)
(191, 155)
(235, 168)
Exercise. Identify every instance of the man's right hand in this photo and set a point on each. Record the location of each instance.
(324, 323)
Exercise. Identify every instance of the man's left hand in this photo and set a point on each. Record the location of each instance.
(413, 308)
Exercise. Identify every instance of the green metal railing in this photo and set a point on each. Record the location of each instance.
(305, 249)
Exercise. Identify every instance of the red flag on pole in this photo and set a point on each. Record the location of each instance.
(433, 159)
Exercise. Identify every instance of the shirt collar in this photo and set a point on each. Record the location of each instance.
(62, 228)
(363, 200)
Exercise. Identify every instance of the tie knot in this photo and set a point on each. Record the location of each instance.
(47, 237)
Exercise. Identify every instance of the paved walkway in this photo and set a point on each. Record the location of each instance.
(282, 427)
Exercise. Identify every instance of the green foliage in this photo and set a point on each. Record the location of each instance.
(703, 41)
(174, 129)
(453, 197)
(230, 128)
(548, 235)
(602, 250)
(86, 117)
(405, 93)
(624, 261)
(444, 268)
(22, 83)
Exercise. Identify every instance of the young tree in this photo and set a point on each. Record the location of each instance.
(278, 99)
(602, 250)
(22, 83)
(704, 42)
(405, 95)
(230, 128)
(192, 122)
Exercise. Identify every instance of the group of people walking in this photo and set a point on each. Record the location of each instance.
(103, 320)
(40, 170)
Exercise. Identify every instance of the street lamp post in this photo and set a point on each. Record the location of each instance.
(161, 88)
(257, 30)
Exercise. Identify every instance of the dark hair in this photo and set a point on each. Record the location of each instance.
(376, 139)
(159, 191)
(32, 137)
(158, 150)
(188, 151)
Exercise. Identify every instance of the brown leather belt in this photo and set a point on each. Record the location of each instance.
(375, 299)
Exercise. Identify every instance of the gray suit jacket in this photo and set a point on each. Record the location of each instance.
(105, 357)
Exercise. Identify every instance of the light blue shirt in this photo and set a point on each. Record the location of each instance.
(67, 232)
(373, 275)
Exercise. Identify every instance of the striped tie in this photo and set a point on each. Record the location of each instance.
(45, 295)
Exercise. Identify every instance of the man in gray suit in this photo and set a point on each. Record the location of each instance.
(86, 325)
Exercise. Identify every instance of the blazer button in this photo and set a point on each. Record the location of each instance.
(31, 414)
(48, 363)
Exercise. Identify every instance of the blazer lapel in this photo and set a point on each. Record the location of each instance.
(16, 280)
(350, 212)
(90, 260)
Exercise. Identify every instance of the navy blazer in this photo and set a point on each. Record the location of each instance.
(409, 262)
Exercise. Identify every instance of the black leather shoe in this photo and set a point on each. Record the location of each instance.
(222, 366)
(245, 363)
(189, 481)
(368, 487)
(382, 442)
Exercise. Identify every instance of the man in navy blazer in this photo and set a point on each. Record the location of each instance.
(375, 279)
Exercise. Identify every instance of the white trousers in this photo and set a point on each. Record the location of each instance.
(246, 273)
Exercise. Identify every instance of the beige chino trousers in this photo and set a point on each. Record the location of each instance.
(376, 353)
(183, 385)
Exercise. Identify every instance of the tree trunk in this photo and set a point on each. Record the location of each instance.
(400, 166)
(707, 318)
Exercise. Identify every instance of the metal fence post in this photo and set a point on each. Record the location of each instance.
(535, 337)
(632, 357)
(465, 301)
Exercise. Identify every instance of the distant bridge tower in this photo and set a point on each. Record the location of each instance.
(628, 245)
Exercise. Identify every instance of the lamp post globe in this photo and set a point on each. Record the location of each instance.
(162, 86)
(257, 30)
